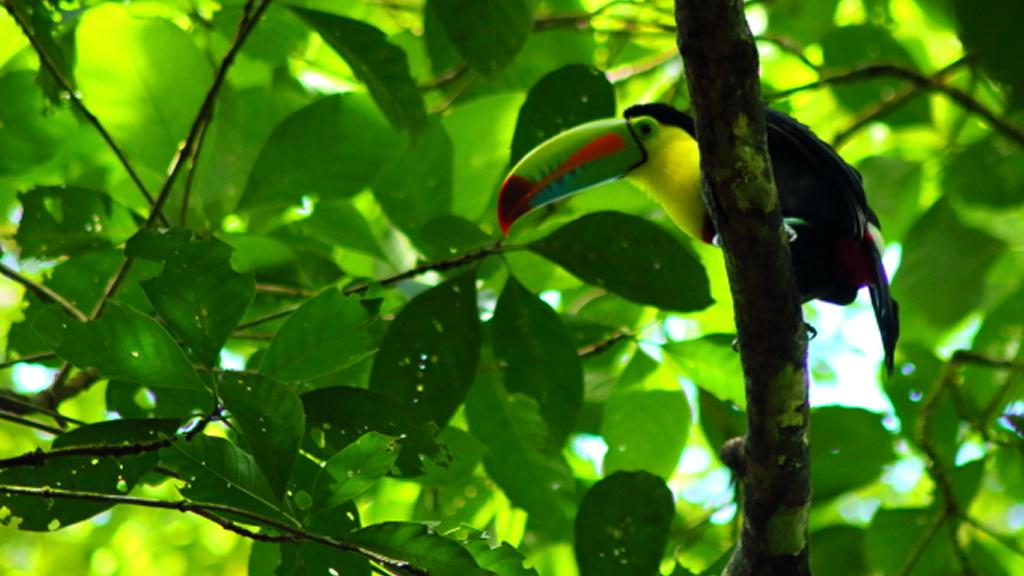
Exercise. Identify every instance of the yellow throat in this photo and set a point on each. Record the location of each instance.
(671, 175)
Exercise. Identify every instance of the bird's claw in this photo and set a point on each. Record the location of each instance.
(812, 332)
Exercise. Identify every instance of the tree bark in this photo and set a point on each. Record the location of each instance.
(772, 460)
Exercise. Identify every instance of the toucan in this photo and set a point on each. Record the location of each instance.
(835, 237)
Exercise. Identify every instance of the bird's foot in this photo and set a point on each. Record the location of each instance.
(812, 332)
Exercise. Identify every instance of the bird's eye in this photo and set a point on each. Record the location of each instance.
(646, 127)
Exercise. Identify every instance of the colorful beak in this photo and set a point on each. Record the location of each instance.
(577, 159)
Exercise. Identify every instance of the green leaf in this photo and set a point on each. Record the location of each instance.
(839, 546)
(417, 186)
(325, 335)
(69, 221)
(623, 525)
(711, 363)
(520, 457)
(645, 430)
(908, 387)
(894, 535)
(930, 297)
(540, 359)
(270, 418)
(29, 137)
(720, 420)
(355, 469)
(339, 223)
(464, 455)
(480, 132)
(991, 161)
(985, 28)
(640, 261)
(448, 236)
(122, 344)
(331, 149)
(414, 543)
(803, 22)
(502, 560)
(562, 99)
(852, 46)
(336, 417)
(198, 293)
(488, 35)
(1001, 336)
(147, 100)
(841, 461)
(105, 475)
(379, 64)
(215, 470)
(430, 353)
(882, 174)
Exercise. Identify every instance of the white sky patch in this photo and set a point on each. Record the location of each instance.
(31, 378)
(694, 461)
(553, 298)
(231, 361)
(591, 448)
(848, 340)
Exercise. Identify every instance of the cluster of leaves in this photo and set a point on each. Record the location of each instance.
(322, 336)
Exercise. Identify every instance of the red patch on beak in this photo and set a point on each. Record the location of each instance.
(513, 200)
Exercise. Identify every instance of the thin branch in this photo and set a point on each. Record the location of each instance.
(204, 510)
(285, 290)
(922, 544)
(4, 415)
(918, 78)
(439, 266)
(601, 345)
(44, 293)
(248, 23)
(38, 457)
(59, 390)
(39, 357)
(193, 161)
(789, 47)
(47, 62)
(18, 404)
(886, 107)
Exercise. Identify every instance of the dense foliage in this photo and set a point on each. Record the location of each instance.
(252, 273)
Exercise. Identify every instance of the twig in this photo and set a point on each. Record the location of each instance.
(38, 357)
(885, 107)
(58, 390)
(193, 160)
(205, 509)
(187, 148)
(916, 77)
(47, 62)
(922, 544)
(789, 47)
(44, 293)
(601, 345)
(17, 404)
(286, 290)
(360, 287)
(38, 457)
(4, 415)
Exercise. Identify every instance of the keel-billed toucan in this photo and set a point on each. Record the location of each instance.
(835, 238)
